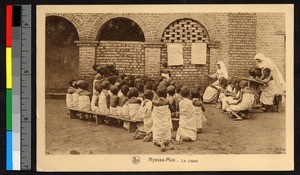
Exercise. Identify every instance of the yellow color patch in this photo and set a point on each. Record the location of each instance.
(8, 68)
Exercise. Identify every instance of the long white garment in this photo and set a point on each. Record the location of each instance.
(102, 104)
(268, 93)
(246, 103)
(69, 100)
(84, 103)
(162, 123)
(94, 102)
(187, 120)
(75, 96)
(146, 114)
(278, 78)
(229, 99)
(133, 111)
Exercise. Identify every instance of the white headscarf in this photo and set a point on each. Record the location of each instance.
(222, 71)
(268, 63)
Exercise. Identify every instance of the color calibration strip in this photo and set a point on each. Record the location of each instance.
(18, 49)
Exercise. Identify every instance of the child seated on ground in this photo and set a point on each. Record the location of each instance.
(114, 100)
(144, 129)
(199, 109)
(269, 90)
(162, 123)
(104, 98)
(187, 130)
(171, 99)
(227, 92)
(244, 102)
(69, 97)
(232, 98)
(95, 98)
(84, 103)
(123, 99)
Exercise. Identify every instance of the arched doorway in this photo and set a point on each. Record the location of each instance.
(121, 43)
(62, 54)
(186, 31)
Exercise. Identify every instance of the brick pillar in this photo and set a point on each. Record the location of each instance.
(87, 57)
(152, 58)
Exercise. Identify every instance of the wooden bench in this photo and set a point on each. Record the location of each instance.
(100, 118)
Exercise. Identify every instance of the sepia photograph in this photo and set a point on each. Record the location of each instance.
(141, 88)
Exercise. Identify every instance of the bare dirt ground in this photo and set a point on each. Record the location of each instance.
(263, 133)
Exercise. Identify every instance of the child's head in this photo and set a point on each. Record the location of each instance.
(83, 85)
(164, 64)
(161, 91)
(178, 87)
(197, 86)
(185, 92)
(171, 90)
(98, 86)
(73, 83)
(122, 76)
(230, 81)
(105, 85)
(131, 83)
(133, 92)
(223, 82)
(102, 71)
(195, 93)
(149, 85)
(148, 94)
(112, 80)
(124, 82)
(243, 83)
(114, 89)
(258, 72)
(95, 67)
(266, 72)
(125, 89)
(140, 87)
(173, 82)
(252, 72)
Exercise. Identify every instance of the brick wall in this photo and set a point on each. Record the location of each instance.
(242, 43)
(239, 36)
(129, 57)
(186, 31)
(270, 37)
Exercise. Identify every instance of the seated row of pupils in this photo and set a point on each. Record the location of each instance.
(140, 98)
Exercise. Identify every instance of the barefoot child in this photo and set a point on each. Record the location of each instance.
(69, 97)
(199, 109)
(244, 102)
(162, 123)
(187, 130)
(144, 129)
(133, 105)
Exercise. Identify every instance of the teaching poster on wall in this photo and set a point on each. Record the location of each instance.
(198, 53)
(175, 55)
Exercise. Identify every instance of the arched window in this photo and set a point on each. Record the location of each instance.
(121, 29)
(62, 54)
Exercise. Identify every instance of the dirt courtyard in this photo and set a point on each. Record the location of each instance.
(263, 133)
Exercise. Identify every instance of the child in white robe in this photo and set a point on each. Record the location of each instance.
(69, 96)
(144, 130)
(187, 130)
(245, 101)
(162, 123)
(199, 109)
(133, 105)
(104, 99)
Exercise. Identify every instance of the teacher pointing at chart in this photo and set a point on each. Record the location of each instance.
(212, 91)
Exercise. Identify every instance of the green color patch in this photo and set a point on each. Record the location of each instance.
(8, 109)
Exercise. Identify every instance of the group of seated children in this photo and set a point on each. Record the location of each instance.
(239, 95)
(141, 98)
